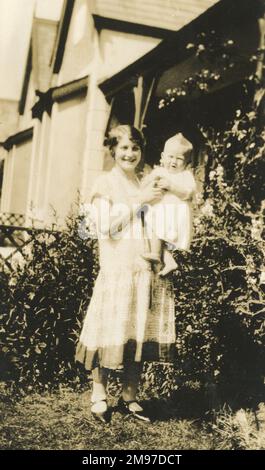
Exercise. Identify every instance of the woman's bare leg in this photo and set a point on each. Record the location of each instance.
(131, 378)
(100, 379)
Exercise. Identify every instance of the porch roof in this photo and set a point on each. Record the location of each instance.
(226, 17)
(167, 14)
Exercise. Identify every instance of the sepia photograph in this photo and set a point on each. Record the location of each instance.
(132, 248)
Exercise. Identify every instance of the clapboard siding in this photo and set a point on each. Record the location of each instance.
(168, 14)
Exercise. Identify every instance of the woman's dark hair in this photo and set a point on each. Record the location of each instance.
(116, 134)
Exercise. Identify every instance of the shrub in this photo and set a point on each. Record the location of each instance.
(42, 307)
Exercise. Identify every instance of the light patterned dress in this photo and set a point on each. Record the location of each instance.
(131, 315)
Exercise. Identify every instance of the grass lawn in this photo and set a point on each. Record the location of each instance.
(62, 421)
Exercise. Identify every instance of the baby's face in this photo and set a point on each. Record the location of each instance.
(173, 159)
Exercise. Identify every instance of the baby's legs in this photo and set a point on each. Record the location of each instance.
(170, 263)
(155, 250)
(155, 255)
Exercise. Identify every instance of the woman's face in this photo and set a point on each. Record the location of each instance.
(127, 154)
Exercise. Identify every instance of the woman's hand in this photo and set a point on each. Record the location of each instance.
(151, 193)
(164, 183)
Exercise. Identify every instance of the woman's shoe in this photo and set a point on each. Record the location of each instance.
(102, 416)
(124, 407)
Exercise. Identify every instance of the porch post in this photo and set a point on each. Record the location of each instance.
(138, 98)
(32, 173)
(41, 174)
(9, 178)
(142, 96)
(260, 64)
(4, 183)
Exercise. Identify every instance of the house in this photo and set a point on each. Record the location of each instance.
(110, 61)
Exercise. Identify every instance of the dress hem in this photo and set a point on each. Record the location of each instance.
(113, 357)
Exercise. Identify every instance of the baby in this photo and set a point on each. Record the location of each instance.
(170, 220)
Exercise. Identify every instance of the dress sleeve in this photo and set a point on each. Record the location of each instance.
(98, 207)
(91, 224)
(101, 188)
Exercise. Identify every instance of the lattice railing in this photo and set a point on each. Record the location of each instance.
(10, 218)
(14, 237)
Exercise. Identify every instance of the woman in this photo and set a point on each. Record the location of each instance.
(130, 318)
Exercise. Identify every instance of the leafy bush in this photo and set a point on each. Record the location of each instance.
(42, 306)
